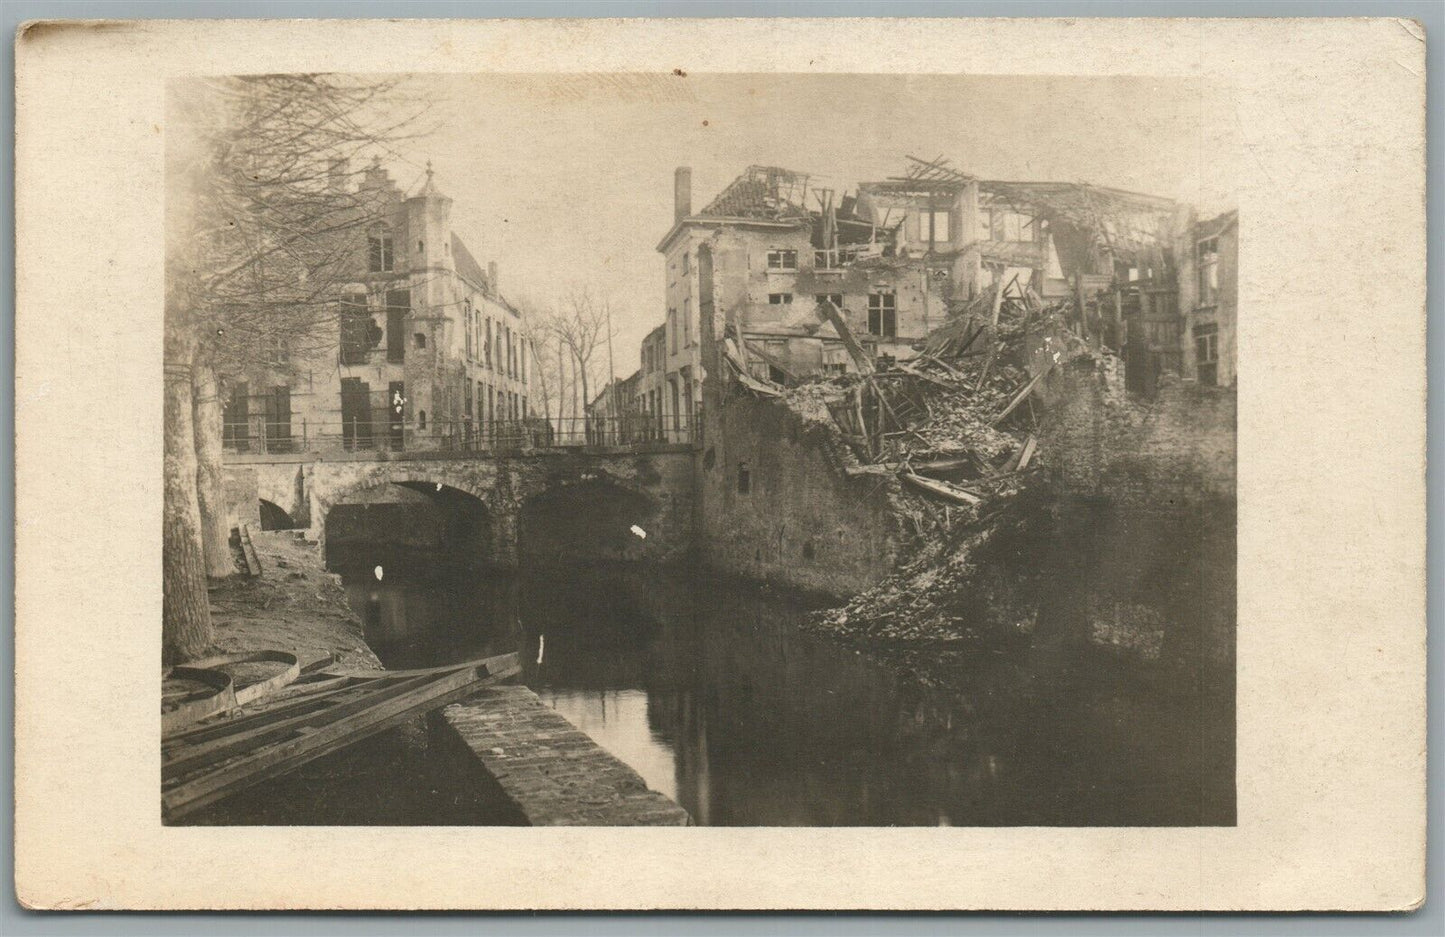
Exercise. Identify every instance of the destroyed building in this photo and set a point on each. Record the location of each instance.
(943, 483)
(427, 352)
(809, 282)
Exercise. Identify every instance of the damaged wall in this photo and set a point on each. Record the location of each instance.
(776, 505)
(1146, 519)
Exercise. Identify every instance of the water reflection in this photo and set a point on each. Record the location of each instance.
(712, 693)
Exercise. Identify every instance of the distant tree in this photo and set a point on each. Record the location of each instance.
(580, 327)
(261, 222)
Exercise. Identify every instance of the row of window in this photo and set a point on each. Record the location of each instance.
(882, 309)
(492, 404)
(510, 357)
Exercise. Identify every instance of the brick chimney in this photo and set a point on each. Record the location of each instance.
(681, 193)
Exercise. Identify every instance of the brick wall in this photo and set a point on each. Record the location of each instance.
(1146, 508)
(800, 522)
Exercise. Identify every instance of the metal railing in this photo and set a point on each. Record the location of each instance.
(460, 436)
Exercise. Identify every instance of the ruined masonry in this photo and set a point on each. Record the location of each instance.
(551, 771)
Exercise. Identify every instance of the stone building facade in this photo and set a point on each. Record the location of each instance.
(427, 352)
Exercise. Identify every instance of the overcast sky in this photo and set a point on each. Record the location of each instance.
(567, 179)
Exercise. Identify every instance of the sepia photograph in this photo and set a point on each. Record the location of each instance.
(724, 450)
(801, 464)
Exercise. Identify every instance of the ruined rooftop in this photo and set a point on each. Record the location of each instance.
(768, 193)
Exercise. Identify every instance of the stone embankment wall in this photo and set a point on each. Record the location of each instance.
(1145, 516)
(776, 505)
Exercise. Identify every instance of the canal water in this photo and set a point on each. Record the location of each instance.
(714, 694)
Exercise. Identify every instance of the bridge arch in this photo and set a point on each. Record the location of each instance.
(596, 517)
(448, 514)
(275, 517)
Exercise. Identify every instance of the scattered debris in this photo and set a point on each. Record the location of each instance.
(953, 434)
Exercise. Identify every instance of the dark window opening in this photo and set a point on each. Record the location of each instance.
(779, 299)
(1209, 272)
(883, 314)
(782, 260)
(355, 413)
(835, 298)
(277, 427)
(745, 478)
(421, 419)
(398, 304)
(236, 420)
(358, 333)
(1206, 353)
(380, 257)
(419, 340)
(808, 550)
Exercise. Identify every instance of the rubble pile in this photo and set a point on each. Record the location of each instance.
(952, 434)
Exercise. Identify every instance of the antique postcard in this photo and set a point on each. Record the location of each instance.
(814, 464)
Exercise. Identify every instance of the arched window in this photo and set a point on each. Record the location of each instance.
(380, 256)
(421, 419)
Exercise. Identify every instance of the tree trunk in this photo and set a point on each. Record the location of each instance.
(586, 404)
(186, 611)
(210, 476)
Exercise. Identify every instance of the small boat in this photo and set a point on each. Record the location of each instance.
(320, 713)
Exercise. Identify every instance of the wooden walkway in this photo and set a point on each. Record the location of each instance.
(554, 773)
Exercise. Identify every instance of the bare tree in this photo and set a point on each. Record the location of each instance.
(261, 225)
(580, 328)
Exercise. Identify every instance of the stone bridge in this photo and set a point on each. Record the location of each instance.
(544, 504)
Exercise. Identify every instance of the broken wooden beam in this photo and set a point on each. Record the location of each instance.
(1028, 451)
(941, 489)
(1022, 395)
(845, 334)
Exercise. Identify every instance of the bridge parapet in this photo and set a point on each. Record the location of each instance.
(655, 481)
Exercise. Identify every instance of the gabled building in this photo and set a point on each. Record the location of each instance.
(427, 351)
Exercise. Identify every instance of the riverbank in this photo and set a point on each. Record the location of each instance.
(294, 605)
(412, 775)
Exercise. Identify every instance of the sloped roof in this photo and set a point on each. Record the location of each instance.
(1217, 225)
(467, 265)
(766, 192)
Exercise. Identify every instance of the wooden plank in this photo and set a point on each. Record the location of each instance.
(192, 710)
(1028, 452)
(1022, 395)
(505, 664)
(190, 756)
(845, 334)
(255, 691)
(853, 471)
(757, 386)
(997, 303)
(248, 550)
(277, 760)
(987, 363)
(215, 729)
(348, 682)
(941, 488)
